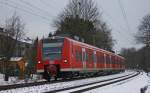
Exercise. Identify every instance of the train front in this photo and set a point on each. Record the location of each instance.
(49, 56)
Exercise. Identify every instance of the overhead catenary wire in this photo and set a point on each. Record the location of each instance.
(125, 17)
(24, 10)
(44, 17)
(35, 7)
(26, 7)
(124, 14)
(47, 4)
(116, 24)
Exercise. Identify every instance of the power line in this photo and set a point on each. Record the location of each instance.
(117, 25)
(26, 11)
(46, 3)
(124, 14)
(107, 14)
(35, 7)
(26, 7)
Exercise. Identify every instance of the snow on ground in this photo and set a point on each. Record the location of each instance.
(128, 86)
(12, 80)
(15, 80)
(148, 90)
(61, 85)
(148, 86)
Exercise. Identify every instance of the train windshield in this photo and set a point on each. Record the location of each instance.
(52, 48)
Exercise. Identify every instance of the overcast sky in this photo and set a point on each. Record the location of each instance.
(38, 15)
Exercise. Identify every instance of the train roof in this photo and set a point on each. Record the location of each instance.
(87, 45)
(93, 47)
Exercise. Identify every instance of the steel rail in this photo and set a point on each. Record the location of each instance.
(59, 90)
(21, 85)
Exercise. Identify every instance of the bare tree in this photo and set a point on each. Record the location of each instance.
(130, 56)
(84, 9)
(13, 32)
(83, 19)
(143, 35)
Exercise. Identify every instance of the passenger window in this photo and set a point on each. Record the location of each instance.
(86, 57)
(98, 58)
(78, 56)
(102, 58)
(90, 57)
(107, 59)
(110, 59)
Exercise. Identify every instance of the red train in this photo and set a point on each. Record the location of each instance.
(65, 57)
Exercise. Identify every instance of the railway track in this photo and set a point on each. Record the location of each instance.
(21, 85)
(94, 85)
(53, 82)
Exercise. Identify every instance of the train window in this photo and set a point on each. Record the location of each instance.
(93, 57)
(90, 57)
(77, 56)
(98, 58)
(115, 60)
(80, 56)
(110, 59)
(49, 40)
(107, 59)
(84, 56)
(72, 50)
(102, 58)
(52, 53)
(123, 63)
(52, 48)
(118, 61)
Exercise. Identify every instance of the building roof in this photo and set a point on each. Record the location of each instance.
(16, 58)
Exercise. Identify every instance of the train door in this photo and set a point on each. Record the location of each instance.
(95, 59)
(110, 62)
(105, 61)
(84, 58)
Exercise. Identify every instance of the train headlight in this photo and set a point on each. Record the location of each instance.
(39, 61)
(65, 61)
